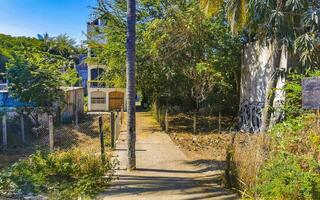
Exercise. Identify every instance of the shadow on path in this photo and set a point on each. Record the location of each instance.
(163, 171)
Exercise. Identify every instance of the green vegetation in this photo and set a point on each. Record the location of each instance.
(59, 175)
(189, 56)
(37, 68)
(176, 46)
(292, 169)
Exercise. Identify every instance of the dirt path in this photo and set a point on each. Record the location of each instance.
(163, 171)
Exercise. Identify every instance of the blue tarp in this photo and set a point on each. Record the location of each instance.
(7, 101)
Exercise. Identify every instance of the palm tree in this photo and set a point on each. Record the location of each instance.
(283, 23)
(131, 90)
(237, 11)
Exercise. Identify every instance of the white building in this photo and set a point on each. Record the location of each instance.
(101, 97)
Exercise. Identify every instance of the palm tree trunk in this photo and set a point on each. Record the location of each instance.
(131, 90)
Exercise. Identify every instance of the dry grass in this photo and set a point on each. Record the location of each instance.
(246, 155)
(240, 155)
(85, 137)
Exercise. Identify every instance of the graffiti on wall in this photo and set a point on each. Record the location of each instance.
(250, 116)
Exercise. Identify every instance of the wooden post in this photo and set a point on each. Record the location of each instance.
(159, 115)
(51, 142)
(116, 121)
(4, 131)
(121, 115)
(194, 122)
(77, 118)
(166, 121)
(22, 128)
(317, 117)
(219, 122)
(112, 129)
(209, 119)
(101, 140)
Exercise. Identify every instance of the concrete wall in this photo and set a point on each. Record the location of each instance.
(257, 69)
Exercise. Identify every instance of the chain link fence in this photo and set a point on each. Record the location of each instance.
(21, 134)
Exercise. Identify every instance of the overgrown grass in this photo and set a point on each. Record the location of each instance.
(245, 156)
(283, 164)
(293, 168)
(60, 175)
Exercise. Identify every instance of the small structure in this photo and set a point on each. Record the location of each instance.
(73, 103)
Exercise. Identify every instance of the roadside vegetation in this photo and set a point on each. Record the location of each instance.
(37, 68)
(60, 175)
(189, 65)
(188, 61)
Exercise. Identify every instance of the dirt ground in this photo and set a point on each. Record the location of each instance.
(209, 148)
(207, 144)
(85, 136)
(163, 171)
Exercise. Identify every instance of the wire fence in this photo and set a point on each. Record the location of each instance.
(22, 134)
(172, 120)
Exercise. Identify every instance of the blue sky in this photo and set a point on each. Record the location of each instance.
(32, 17)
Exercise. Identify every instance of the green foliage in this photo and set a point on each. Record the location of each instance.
(292, 170)
(36, 69)
(34, 78)
(59, 175)
(293, 92)
(181, 55)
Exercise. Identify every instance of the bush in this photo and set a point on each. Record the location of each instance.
(59, 175)
(293, 168)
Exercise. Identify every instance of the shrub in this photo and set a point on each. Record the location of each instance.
(59, 175)
(293, 168)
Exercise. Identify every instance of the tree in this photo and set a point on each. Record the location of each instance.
(35, 79)
(236, 11)
(173, 39)
(131, 83)
(286, 25)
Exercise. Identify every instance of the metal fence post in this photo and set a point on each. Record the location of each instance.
(112, 129)
(101, 140)
(4, 131)
(51, 142)
(22, 128)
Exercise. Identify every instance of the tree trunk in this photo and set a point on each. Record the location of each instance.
(131, 90)
(271, 85)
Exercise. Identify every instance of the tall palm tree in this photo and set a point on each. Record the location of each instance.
(283, 22)
(237, 11)
(131, 90)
